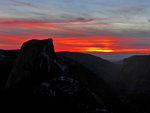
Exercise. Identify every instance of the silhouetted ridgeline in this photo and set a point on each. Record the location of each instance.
(72, 82)
(37, 76)
(106, 70)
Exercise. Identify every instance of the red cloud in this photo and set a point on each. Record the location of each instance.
(78, 43)
(96, 44)
(59, 25)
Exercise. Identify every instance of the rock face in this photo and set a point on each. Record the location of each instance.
(35, 58)
(39, 77)
(7, 58)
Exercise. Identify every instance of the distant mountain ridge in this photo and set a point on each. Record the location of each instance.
(105, 69)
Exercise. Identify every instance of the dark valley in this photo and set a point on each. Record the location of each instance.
(37, 77)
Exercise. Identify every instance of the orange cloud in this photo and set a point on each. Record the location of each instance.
(76, 44)
(75, 41)
(95, 44)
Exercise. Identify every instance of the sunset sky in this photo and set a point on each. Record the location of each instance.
(77, 25)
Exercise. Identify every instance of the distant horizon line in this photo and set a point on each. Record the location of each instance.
(80, 51)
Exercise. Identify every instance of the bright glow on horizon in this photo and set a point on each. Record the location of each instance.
(99, 50)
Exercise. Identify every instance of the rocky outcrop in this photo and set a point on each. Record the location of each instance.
(35, 60)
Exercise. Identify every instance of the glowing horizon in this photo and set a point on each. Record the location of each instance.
(77, 26)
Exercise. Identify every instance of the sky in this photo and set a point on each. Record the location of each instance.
(77, 25)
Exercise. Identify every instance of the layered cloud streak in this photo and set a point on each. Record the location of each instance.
(83, 26)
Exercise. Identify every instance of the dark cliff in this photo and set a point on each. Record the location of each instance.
(134, 82)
